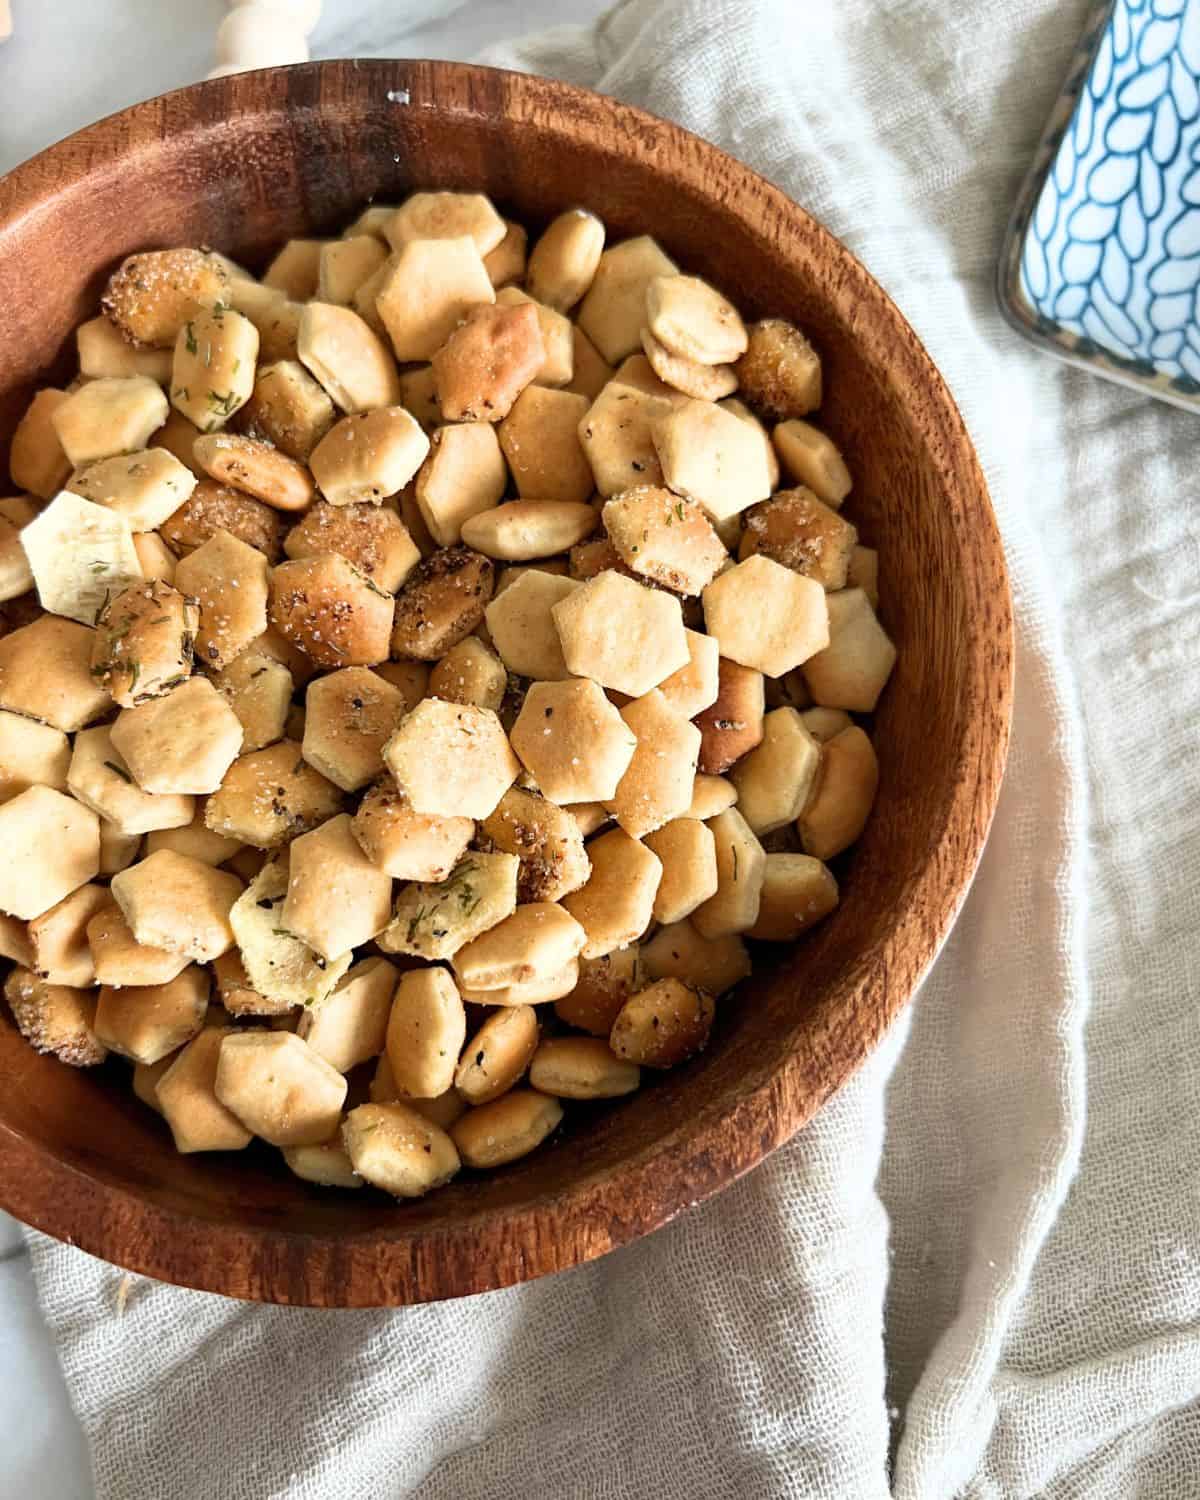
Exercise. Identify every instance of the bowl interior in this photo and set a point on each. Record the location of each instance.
(245, 163)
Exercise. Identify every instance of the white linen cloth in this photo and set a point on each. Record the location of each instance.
(976, 1272)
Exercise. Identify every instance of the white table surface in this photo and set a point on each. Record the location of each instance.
(51, 88)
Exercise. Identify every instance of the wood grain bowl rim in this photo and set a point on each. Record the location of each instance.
(688, 1164)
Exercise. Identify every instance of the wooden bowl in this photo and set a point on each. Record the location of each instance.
(241, 164)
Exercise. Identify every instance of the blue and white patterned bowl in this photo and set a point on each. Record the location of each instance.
(1101, 263)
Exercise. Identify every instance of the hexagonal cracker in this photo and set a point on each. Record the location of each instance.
(678, 951)
(155, 558)
(405, 844)
(347, 357)
(536, 942)
(621, 634)
(337, 899)
(196, 840)
(463, 475)
(370, 537)
(186, 1097)
(811, 458)
(694, 321)
(259, 691)
(521, 622)
(689, 860)
(256, 467)
(665, 539)
(616, 905)
(694, 687)
(497, 1054)
(288, 408)
(54, 1018)
(58, 938)
(657, 784)
(487, 362)
(345, 264)
(528, 530)
(336, 615)
(36, 460)
(540, 439)
(144, 641)
(229, 579)
(614, 310)
(151, 293)
(852, 671)
(80, 555)
(396, 1148)
(663, 1024)
(603, 986)
(235, 991)
(711, 456)
(99, 778)
(110, 416)
(270, 796)
(279, 1088)
(842, 795)
(183, 742)
(433, 921)
(31, 754)
(212, 373)
(802, 533)
(798, 892)
(441, 603)
(144, 487)
(366, 457)
(507, 261)
(46, 673)
(441, 216)
(350, 714)
(558, 345)
(430, 287)
(766, 617)
(740, 866)
(426, 1032)
(451, 759)
(780, 370)
(173, 902)
(278, 965)
(470, 673)
(743, 413)
(212, 508)
(732, 723)
(276, 318)
(349, 1026)
(775, 779)
(295, 269)
(145, 1024)
(117, 850)
(562, 265)
(119, 958)
(573, 741)
(545, 838)
(615, 432)
(710, 795)
(539, 991)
